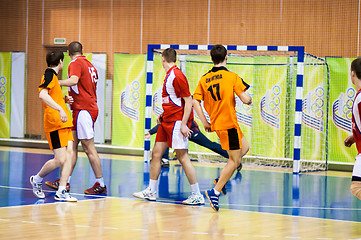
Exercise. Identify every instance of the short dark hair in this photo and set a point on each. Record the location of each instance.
(53, 58)
(356, 67)
(218, 53)
(170, 55)
(74, 48)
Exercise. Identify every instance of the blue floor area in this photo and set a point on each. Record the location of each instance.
(252, 190)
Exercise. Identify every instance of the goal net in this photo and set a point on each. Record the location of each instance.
(270, 123)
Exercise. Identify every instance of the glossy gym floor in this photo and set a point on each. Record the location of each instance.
(259, 204)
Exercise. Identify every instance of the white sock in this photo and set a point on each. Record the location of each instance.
(60, 189)
(100, 181)
(153, 184)
(216, 192)
(38, 179)
(195, 188)
(69, 179)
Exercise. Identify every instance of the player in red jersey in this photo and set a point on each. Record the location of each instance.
(82, 84)
(173, 130)
(356, 128)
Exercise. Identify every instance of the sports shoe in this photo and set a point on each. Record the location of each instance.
(146, 194)
(55, 185)
(165, 163)
(37, 189)
(96, 189)
(239, 167)
(194, 199)
(213, 199)
(64, 196)
(223, 190)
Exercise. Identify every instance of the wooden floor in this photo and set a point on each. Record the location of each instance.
(259, 204)
(117, 218)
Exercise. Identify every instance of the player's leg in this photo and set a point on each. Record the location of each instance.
(356, 178)
(85, 133)
(160, 146)
(73, 149)
(237, 146)
(196, 198)
(66, 167)
(150, 193)
(49, 166)
(200, 139)
(180, 145)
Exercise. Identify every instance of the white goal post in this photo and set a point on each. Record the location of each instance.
(299, 102)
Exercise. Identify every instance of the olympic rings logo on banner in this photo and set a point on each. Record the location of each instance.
(317, 102)
(275, 100)
(348, 100)
(135, 95)
(2, 94)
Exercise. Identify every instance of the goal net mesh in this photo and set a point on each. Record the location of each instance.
(268, 124)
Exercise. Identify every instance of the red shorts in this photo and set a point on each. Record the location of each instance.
(231, 139)
(170, 132)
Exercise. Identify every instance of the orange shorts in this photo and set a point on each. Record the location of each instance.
(59, 138)
(231, 139)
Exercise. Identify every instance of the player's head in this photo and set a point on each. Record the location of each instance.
(356, 68)
(169, 55)
(218, 54)
(54, 58)
(75, 48)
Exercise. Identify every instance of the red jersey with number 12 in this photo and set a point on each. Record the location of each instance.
(175, 87)
(84, 92)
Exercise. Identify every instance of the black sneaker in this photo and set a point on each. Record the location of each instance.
(239, 168)
(165, 163)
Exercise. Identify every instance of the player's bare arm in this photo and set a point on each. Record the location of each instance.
(349, 141)
(187, 112)
(245, 98)
(198, 108)
(70, 81)
(45, 97)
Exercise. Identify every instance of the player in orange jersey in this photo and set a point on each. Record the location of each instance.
(82, 84)
(57, 126)
(217, 88)
(356, 128)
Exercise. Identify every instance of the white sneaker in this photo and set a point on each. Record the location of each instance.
(146, 194)
(37, 189)
(194, 199)
(64, 196)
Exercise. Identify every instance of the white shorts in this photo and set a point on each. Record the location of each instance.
(170, 132)
(84, 125)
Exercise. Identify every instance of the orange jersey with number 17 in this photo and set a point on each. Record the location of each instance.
(217, 88)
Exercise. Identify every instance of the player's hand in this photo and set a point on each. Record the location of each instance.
(147, 135)
(186, 131)
(349, 141)
(69, 99)
(207, 127)
(160, 118)
(63, 116)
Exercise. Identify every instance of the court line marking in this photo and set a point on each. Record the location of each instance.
(95, 197)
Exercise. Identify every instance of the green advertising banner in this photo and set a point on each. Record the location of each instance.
(314, 109)
(5, 104)
(128, 100)
(342, 94)
(269, 111)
